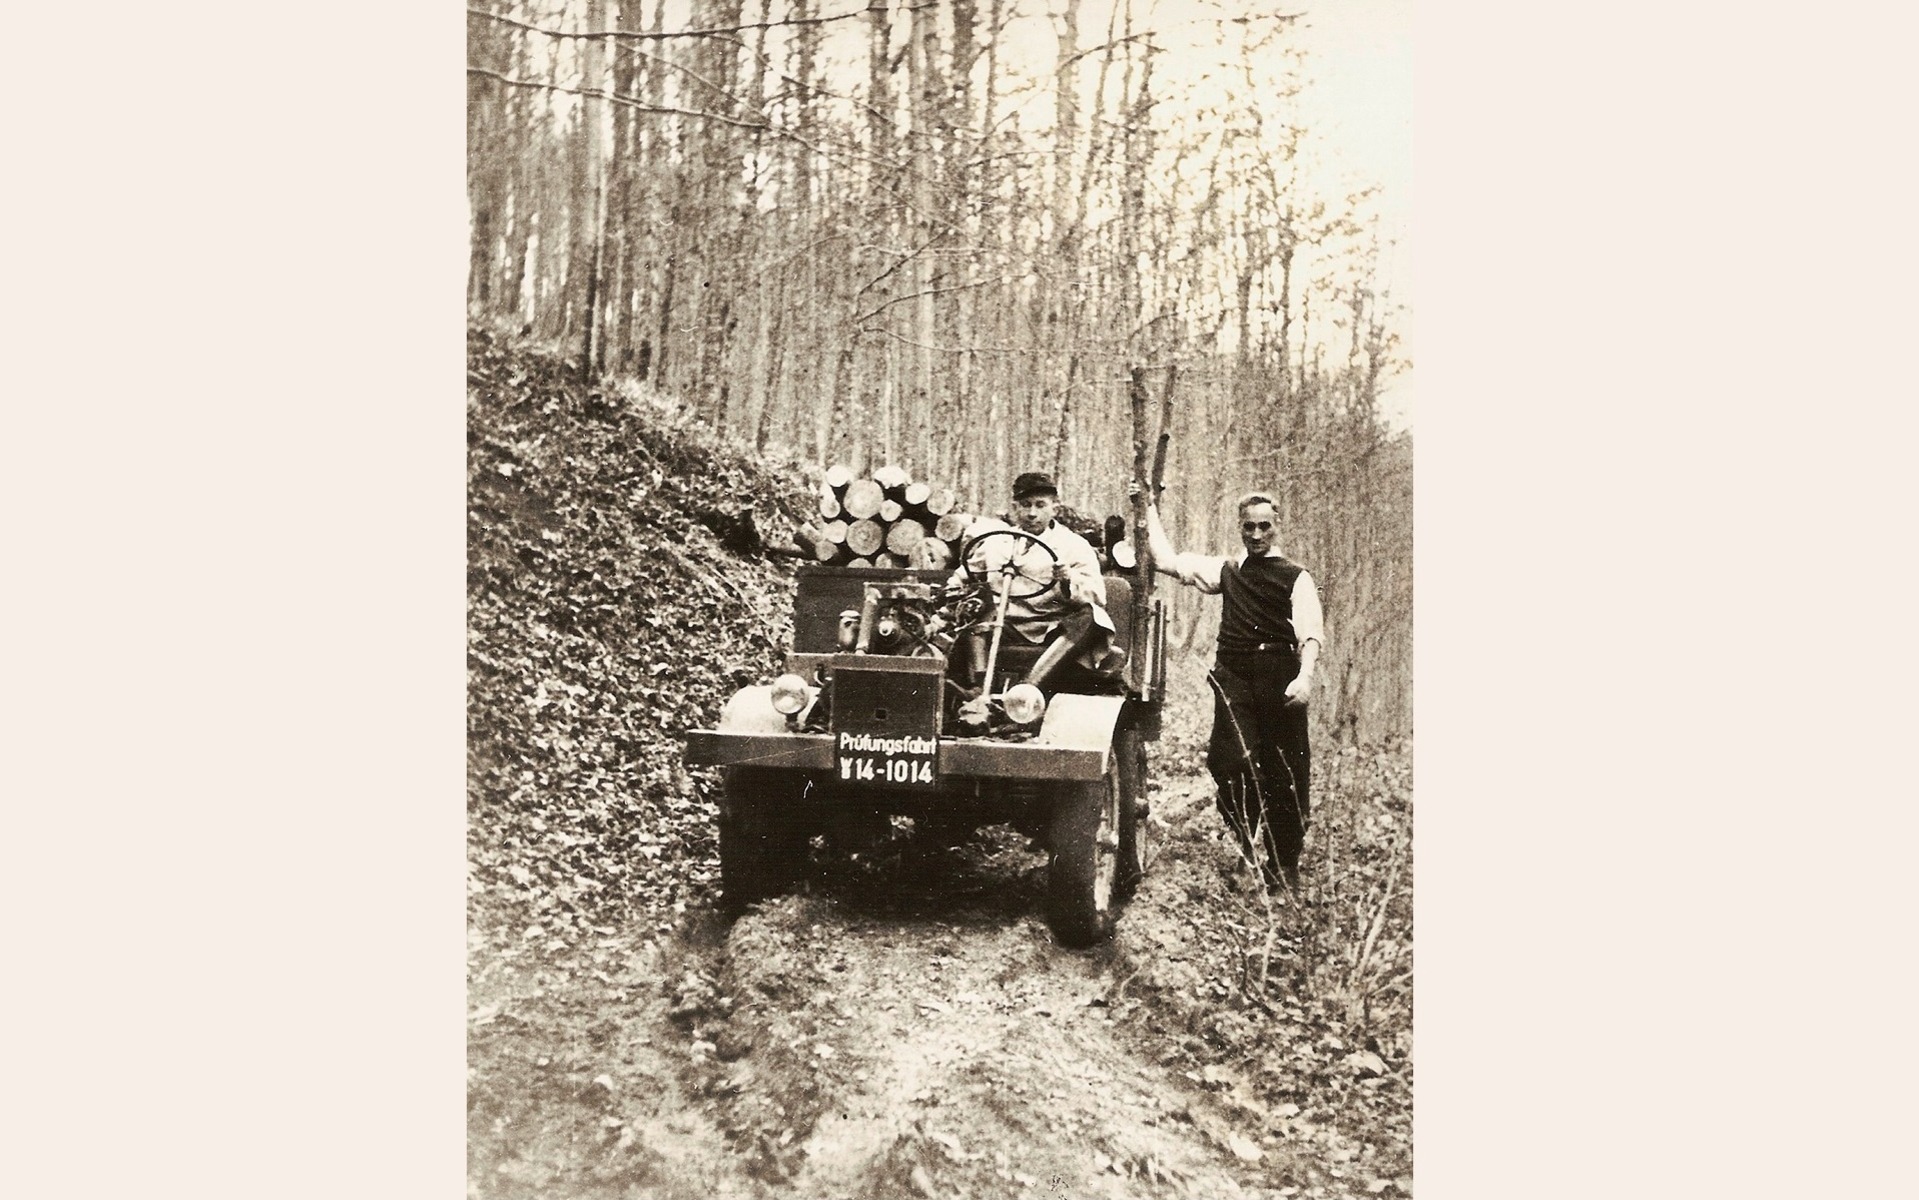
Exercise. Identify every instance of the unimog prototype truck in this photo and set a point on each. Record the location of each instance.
(877, 716)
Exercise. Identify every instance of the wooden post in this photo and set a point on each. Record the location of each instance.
(1142, 546)
(1165, 431)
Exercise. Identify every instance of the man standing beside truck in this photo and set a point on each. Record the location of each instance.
(1270, 630)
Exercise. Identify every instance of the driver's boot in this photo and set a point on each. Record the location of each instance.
(971, 717)
(1050, 661)
(1076, 632)
(974, 664)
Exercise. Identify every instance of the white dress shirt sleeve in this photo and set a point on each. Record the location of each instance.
(1084, 583)
(1200, 571)
(1309, 620)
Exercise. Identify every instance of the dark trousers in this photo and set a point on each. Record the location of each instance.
(1271, 796)
(1076, 629)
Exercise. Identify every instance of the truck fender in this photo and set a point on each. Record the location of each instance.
(1081, 722)
(750, 710)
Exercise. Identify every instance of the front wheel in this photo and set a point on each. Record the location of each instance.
(1129, 754)
(1081, 876)
(765, 826)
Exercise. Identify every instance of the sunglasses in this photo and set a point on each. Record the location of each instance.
(1255, 526)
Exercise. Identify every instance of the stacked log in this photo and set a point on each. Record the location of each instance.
(951, 527)
(863, 499)
(888, 519)
(891, 520)
(903, 536)
(865, 537)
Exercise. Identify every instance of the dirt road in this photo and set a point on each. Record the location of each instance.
(904, 1027)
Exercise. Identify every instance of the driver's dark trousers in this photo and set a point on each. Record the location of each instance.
(1075, 632)
(1280, 807)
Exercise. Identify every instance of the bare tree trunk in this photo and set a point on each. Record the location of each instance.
(589, 200)
(925, 89)
(1064, 434)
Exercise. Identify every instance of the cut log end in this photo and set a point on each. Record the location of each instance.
(904, 536)
(932, 555)
(863, 499)
(865, 538)
(952, 526)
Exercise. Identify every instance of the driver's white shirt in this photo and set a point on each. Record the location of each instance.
(1036, 617)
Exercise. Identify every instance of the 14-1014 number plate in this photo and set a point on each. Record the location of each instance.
(886, 761)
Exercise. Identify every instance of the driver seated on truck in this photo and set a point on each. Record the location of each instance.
(1070, 620)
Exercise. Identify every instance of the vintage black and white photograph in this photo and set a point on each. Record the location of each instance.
(939, 599)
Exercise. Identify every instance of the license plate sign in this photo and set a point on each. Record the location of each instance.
(886, 761)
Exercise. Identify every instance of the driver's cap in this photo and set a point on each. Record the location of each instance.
(1034, 483)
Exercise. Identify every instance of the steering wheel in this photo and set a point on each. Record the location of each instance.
(981, 577)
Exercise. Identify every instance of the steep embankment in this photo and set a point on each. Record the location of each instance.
(903, 1025)
(604, 617)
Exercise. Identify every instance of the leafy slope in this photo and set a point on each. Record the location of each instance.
(603, 619)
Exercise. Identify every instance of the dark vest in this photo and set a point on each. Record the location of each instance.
(1258, 604)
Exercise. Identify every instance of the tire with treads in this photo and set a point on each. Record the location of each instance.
(1129, 753)
(1084, 841)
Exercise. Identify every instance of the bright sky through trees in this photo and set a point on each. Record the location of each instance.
(1361, 98)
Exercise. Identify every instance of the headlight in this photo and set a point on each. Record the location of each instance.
(1024, 703)
(789, 694)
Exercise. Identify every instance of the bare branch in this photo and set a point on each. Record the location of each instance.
(663, 35)
(938, 291)
(603, 94)
(1015, 350)
(883, 276)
